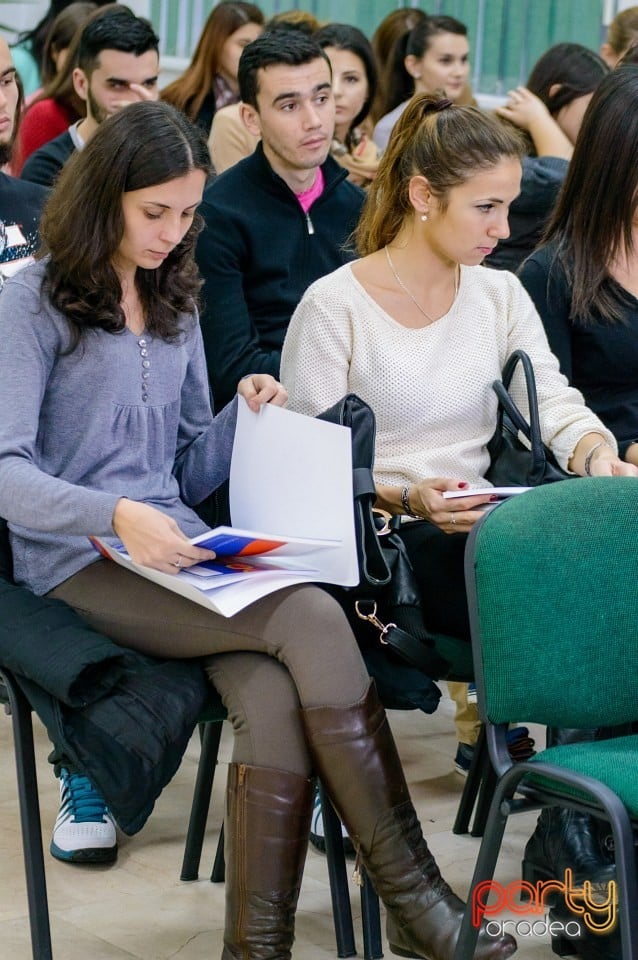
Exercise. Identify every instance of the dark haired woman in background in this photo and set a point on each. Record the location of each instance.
(435, 56)
(354, 85)
(210, 80)
(584, 282)
(550, 111)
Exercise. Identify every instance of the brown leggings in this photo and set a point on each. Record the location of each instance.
(293, 648)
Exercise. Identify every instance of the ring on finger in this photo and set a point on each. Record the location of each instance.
(178, 562)
(452, 518)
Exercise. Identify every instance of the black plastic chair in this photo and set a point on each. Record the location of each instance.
(18, 707)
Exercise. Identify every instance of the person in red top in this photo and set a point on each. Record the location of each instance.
(52, 109)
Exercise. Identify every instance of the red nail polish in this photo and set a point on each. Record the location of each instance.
(463, 485)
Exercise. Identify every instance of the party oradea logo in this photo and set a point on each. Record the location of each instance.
(593, 906)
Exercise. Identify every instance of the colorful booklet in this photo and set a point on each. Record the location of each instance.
(291, 480)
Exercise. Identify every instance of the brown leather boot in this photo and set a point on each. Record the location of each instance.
(266, 837)
(356, 758)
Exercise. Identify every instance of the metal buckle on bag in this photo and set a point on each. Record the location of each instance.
(385, 519)
(373, 619)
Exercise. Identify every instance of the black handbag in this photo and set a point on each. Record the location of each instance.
(387, 596)
(512, 462)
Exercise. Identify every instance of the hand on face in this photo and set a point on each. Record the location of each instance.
(523, 108)
(137, 94)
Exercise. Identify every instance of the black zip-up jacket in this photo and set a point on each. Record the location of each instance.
(258, 253)
(44, 165)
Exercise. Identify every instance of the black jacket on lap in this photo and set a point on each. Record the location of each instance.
(123, 719)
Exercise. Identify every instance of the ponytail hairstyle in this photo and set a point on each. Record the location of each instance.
(593, 221)
(436, 139)
(622, 33)
(416, 43)
(389, 42)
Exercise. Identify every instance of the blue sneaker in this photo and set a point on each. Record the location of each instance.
(84, 830)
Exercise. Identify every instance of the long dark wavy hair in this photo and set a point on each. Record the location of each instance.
(82, 226)
(593, 221)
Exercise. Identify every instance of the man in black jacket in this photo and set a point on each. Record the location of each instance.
(278, 220)
(118, 64)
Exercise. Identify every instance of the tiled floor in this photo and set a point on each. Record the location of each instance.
(138, 909)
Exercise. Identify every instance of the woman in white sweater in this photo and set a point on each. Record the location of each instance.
(420, 330)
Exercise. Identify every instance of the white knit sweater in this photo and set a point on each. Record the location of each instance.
(430, 388)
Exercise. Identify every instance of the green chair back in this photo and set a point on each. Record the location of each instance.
(553, 595)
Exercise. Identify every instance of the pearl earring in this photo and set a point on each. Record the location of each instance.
(424, 217)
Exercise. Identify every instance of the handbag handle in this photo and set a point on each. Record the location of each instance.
(531, 430)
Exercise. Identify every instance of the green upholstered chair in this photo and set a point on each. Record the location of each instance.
(551, 579)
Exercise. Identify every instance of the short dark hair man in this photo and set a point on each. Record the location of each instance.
(20, 203)
(118, 64)
(278, 220)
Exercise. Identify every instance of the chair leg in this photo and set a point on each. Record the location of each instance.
(627, 881)
(218, 873)
(485, 866)
(485, 795)
(337, 875)
(210, 734)
(30, 823)
(370, 920)
(471, 790)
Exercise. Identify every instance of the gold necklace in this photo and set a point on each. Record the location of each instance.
(406, 291)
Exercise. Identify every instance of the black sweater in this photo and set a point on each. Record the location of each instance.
(258, 254)
(599, 358)
(44, 165)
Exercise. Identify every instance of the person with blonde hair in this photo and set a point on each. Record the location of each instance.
(622, 33)
(419, 329)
